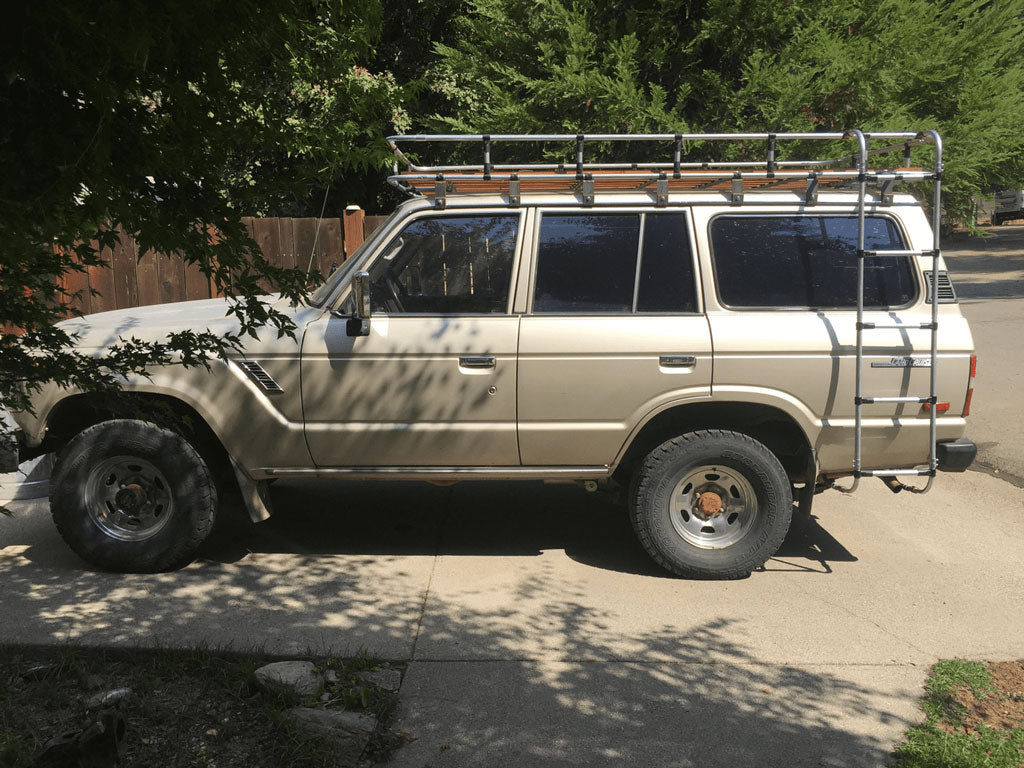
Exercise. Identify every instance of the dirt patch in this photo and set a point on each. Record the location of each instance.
(999, 709)
(191, 708)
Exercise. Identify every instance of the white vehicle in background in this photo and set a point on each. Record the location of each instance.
(1009, 205)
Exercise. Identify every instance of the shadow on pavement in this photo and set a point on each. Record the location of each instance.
(501, 520)
(543, 672)
(684, 713)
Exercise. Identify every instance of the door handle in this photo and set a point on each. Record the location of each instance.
(476, 361)
(678, 361)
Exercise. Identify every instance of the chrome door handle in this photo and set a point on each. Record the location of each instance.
(476, 361)
(678, 361)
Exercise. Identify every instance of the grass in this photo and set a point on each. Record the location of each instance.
(199, 707)
(948, 738)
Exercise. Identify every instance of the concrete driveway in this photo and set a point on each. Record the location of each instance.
(538, 633)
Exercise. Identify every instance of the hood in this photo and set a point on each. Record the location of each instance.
(154, 322)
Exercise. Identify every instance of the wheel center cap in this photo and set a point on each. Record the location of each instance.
(709, 504)
(130, 497)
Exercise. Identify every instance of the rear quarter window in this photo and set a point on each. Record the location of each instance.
(802, 261)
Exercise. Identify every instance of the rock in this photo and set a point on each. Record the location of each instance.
(107, 698)
(290, 677)
(348, 732)
(325, 697)
(37, 670)
(332, 676)
(387, 679)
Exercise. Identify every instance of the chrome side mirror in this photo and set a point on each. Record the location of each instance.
(359, 323)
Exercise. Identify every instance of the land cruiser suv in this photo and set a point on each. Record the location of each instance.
(716, 338)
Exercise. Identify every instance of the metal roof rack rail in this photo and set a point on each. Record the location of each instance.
(658, 177)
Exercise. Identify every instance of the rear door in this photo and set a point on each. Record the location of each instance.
(613, 331)
(784, 324)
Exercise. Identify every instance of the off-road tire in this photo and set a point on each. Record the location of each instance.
(664, 468)
(189, 489)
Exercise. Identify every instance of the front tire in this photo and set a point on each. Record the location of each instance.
(711, 504)
(130, 496)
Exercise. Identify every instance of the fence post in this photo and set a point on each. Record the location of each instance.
(354, 216)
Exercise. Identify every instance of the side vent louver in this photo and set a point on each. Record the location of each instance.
(262, 378)
(946, 293)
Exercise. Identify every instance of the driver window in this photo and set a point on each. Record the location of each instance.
(446, 265)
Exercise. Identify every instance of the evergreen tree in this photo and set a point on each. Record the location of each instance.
(755, 65)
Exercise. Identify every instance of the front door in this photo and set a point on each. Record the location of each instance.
(434, 384)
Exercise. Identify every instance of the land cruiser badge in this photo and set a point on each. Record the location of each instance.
(904, 361)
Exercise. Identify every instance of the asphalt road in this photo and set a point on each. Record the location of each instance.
(538, 633)
(988, 273)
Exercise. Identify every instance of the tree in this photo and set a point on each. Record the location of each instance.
(756, 65)
(168, 121)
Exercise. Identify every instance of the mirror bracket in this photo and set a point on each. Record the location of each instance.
(357, 326)
(359, 323)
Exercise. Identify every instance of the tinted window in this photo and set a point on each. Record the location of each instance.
(445, 265)
(807, 261)
(588, 263)
(666, 266)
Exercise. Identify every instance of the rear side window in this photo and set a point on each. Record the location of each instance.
(807, 261)
(614, 263)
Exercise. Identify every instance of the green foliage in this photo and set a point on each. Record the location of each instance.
(943, 741)
(946, 675)
(931, 747)
(758, 65)
(169, 121)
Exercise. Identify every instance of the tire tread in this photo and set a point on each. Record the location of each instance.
(647, 474)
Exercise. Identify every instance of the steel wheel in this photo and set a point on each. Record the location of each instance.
(128, 498)
(713, 507)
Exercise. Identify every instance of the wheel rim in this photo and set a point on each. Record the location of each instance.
(128, 498)
(713, 507)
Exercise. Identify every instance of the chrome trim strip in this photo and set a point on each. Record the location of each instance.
(445, 473)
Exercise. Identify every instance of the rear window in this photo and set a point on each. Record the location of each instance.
(807, 262)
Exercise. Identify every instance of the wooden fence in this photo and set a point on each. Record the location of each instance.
(130, 281)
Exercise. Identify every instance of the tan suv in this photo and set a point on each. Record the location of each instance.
(716, 338)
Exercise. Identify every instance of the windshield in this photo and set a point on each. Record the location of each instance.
(340, 275)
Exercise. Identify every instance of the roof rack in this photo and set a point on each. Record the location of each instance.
(659, 178)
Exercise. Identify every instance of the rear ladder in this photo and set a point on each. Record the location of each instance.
(860, 399)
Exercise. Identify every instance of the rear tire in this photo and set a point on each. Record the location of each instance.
(130, 496)
(711, 504)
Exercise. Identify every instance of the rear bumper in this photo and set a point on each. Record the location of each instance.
(955, 455)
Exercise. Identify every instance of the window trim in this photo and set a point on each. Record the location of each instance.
(915, 299)
(461, 213)
(642, 212)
